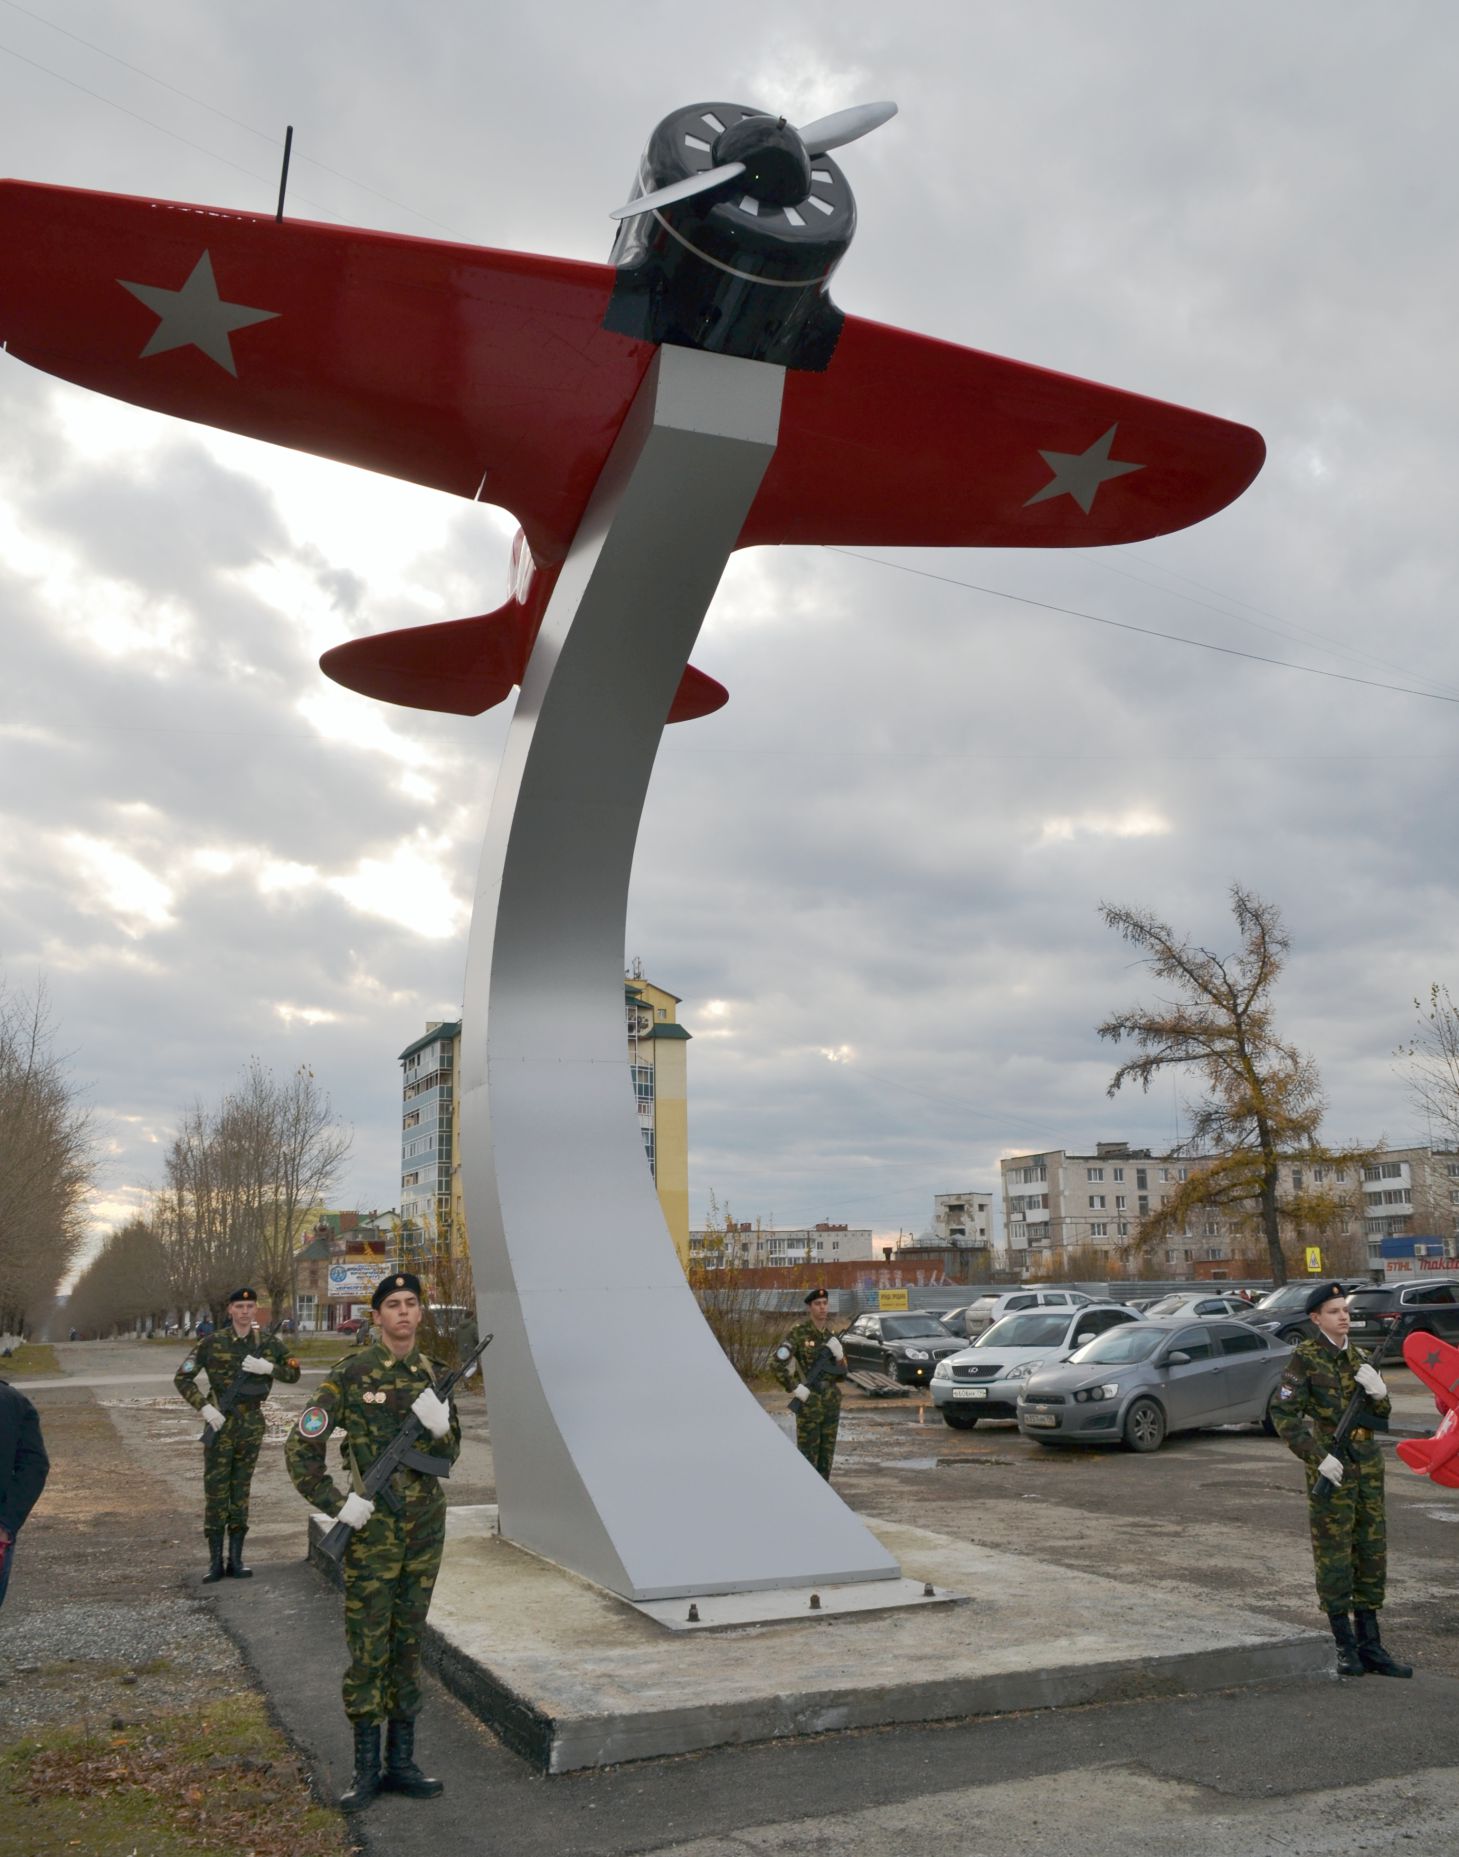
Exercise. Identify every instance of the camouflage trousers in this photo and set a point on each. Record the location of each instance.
(390, 1569)
(1350, 1535)
(815, 1430)
(228, 1469)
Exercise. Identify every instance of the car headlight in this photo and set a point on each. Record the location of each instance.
(942, 1371)
(916, 1354)
(1021, 1371)
(1086, 1395)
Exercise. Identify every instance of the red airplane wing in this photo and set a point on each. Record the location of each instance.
(489, 374)
(1436, 1364)
(483, 373)
(909, 442)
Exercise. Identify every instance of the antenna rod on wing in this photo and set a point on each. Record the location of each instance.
(284, 177)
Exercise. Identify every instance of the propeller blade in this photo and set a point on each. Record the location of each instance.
(681, 190)
(845, 126)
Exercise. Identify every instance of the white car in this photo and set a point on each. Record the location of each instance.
(1196, 1306)
(984, 1381)
(992, 1307)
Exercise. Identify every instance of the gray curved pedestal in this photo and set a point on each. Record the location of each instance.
(626, 1447)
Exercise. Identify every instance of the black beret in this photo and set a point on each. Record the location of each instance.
(397, 1280)
(1325, 1292)
(815, 1295)
(243, 1296)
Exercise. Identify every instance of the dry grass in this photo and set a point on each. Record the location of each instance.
(217, 1780)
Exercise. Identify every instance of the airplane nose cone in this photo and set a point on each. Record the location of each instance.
(777, 167)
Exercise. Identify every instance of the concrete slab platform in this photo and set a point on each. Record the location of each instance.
(571, 1676)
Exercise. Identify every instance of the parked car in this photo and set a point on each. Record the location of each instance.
(1190, 1303)
(1427, 1307)
(350, 1325)
(1282, 1312)
(984, 1381)
(1138, 1384)
(991, 1307)
(906, 1347)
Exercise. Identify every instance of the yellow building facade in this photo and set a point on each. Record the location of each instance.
(658, 1062)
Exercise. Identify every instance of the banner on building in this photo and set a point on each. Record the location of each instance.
(355, 1282)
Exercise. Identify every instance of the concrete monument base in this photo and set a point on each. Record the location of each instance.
(571, 1676)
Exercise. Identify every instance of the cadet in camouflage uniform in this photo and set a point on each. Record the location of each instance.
(817, 1414)
(391, 1563)
(1349, 1529)
(234, 1357)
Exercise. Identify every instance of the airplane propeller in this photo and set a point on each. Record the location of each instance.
(789, 151)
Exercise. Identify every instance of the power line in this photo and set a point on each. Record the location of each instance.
(136, 116)
(199, 103)
(1280, 628)
(1145, 631)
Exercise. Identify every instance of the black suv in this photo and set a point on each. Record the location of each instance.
(1429, 1307)
(1283, 1312)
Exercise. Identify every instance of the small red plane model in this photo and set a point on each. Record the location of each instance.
(1437, 1365)
(504, 377)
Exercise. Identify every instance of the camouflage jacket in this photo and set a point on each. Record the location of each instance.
(791, 1361)
(1318, 1383)
(220, 1356)
(365, 1399)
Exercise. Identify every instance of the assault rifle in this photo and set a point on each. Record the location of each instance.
(1355, 1408)
(827, 1365)
(400, 1450)
(228, 1402)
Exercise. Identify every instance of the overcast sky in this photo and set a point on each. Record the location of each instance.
(874, 877)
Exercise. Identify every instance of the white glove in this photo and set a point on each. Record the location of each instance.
(1331, 1468)
(801, 1394)
(213, 1417)
(255, 1363)
(433, 1412)
(837, 1351)
(356, 1511)
(1372, 1382)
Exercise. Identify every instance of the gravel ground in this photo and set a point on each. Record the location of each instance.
(98, 1624)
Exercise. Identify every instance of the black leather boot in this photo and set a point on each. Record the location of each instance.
(1349, 1663)
(235, 1555)
(1370, 1648)
(366, 1782)
(401, 1774)
(215, 1560)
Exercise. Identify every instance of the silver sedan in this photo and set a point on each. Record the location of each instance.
(1137, 1384)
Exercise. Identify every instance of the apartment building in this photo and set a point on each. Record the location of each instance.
(756, 1247)
(431, 1205)
(1412, 1193)
(963, 1219)
(1057, 1201)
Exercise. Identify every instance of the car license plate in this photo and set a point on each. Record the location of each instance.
(970, 1392)
(1041, 1421)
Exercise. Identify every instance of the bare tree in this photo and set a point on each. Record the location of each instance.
(1433, 1063)
(127, 1282)
(244, 1182)
(1263, 1100)
(306, 1148)
(46, 1161)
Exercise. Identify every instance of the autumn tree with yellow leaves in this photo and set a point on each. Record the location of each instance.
(1262, 1101)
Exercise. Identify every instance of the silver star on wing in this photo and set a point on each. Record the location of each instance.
(1079, 474)
(195, 316)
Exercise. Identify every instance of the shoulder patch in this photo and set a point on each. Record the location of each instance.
(783, 1353)
(313, 1422)
(190, 1365)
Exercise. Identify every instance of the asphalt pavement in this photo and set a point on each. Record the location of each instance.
(1310, 1766)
